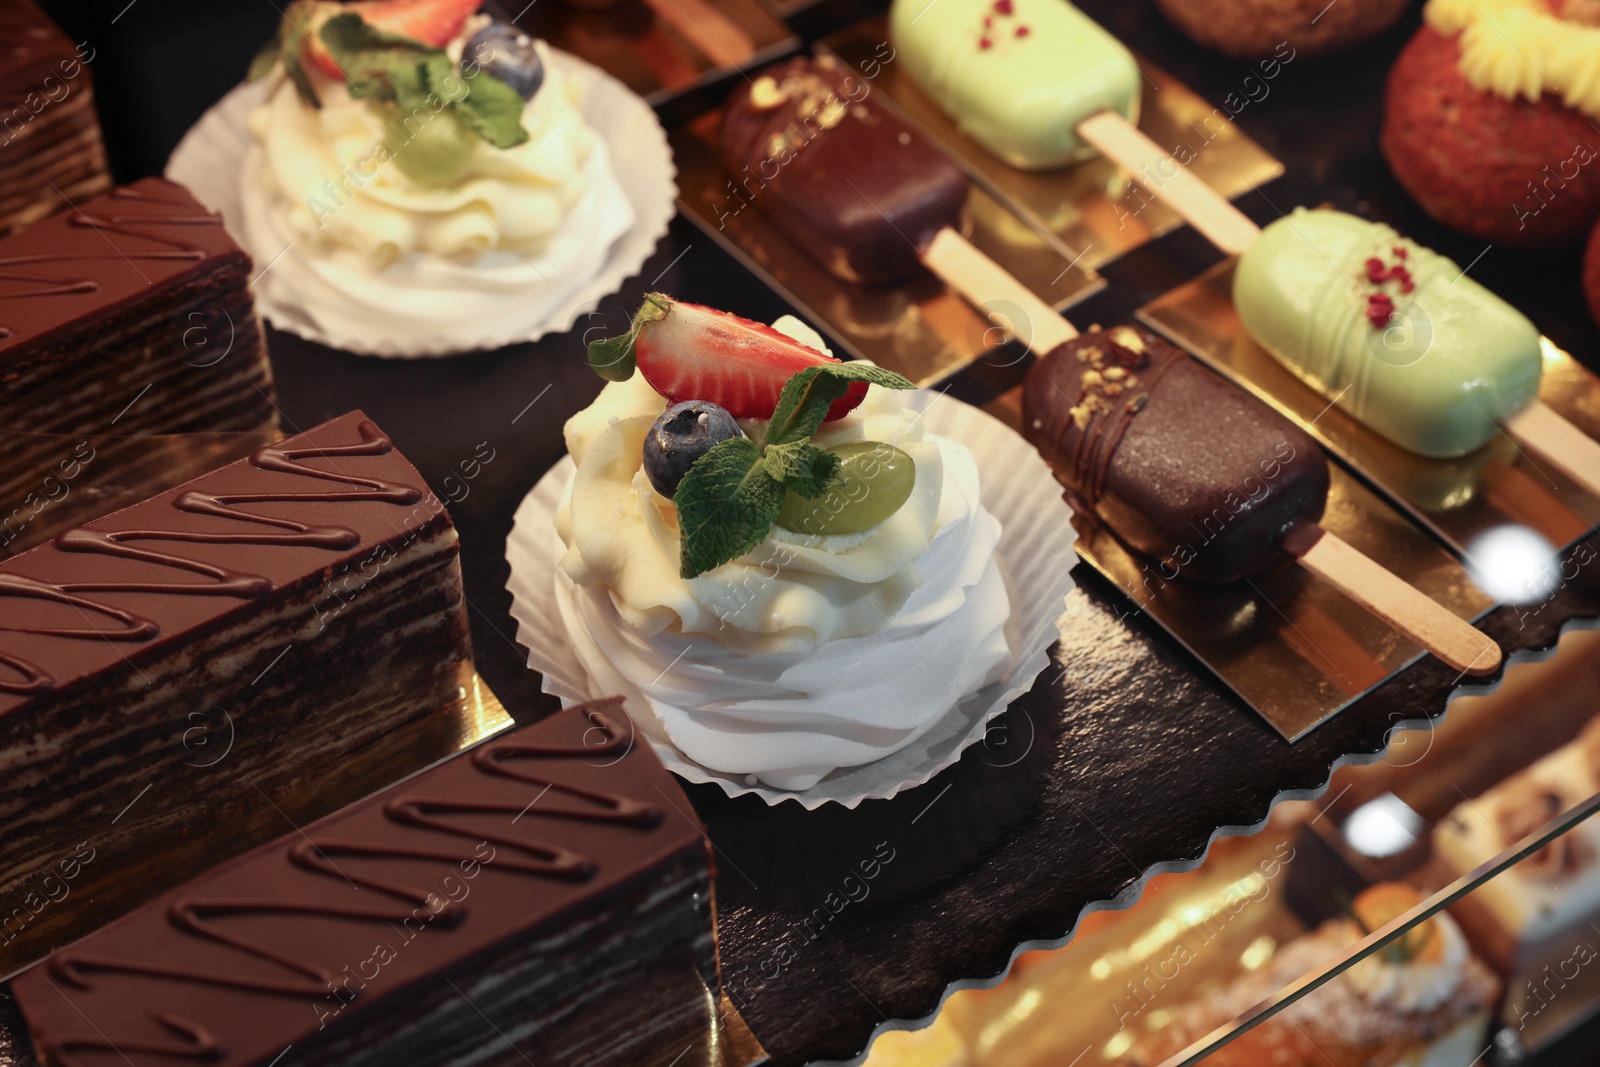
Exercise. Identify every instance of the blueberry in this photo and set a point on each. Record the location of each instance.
(507, 53)
(683, 434)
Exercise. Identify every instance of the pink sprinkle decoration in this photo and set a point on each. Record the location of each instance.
(1005, 7)
(985, 44)
(1400, 252)
(1403, 276)
(1380, 309)
(1023, 31)
(988, 21)
(1376, 271)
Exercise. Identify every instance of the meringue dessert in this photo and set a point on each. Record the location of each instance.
(767, 555)
(1421, 1001)
(419, 170)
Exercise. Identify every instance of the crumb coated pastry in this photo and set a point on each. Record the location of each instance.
(1255, 29)
(1488, 120)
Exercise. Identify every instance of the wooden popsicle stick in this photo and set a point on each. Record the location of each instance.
(712, 32)
(1556, 441)
(983, 283)
(1154, 168)
(1454, 640)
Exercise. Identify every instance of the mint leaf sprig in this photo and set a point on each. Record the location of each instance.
(411, 75)
(730, 498)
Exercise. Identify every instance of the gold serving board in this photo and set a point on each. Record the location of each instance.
(919, 328)
(1459, 500)
(1293, 647)
(1094, 209)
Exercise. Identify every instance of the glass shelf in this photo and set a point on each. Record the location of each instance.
(1258, 956)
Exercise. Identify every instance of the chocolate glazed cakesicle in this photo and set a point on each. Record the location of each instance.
(546, 891)
(1186, 468)
(1208, 481)
(849, 183)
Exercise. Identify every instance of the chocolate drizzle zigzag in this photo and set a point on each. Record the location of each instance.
(222, 580)
(146, 227)
(200, 916)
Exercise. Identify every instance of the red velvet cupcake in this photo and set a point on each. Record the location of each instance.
(1488, 119)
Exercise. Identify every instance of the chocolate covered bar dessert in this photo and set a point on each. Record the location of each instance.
(309, 595)
(1181, 464)
(848, 182)
(543, 898)
(128, 314)
(51, 154)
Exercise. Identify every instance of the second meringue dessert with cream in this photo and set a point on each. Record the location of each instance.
(424, 171)
(767, 554)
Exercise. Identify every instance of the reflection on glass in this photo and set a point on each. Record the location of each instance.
(1514, 564)
(1437, 908)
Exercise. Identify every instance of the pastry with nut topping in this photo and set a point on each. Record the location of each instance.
(851, 184)
(1183, 466)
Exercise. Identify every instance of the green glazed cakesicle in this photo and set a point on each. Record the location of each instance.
(1016, 75)
(1393, 333)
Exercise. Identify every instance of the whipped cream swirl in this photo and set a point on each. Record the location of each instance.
(345, 238)
(1522, 48)
(807, 654)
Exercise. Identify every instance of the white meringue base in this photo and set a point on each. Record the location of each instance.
(212, 156)
(790, 718)
(1034, 556)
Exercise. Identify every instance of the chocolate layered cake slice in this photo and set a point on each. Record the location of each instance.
(543, 898)
(129, 314)
(308, 596)
(51, 154)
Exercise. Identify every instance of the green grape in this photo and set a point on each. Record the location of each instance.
(874, 481)
(433, 149)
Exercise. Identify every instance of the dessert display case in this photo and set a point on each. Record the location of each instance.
(1132, 809)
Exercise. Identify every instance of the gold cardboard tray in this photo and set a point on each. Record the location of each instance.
(1458, 500)
(109, 886)
(654, 47)
(1293, 647)
(1094, 208)
(920, 328)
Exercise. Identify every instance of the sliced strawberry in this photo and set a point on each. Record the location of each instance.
(432, 22)
(700, 353)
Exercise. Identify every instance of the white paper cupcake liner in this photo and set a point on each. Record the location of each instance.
(1036, 556)
(212, 155)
